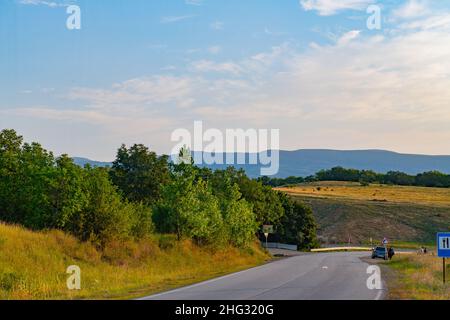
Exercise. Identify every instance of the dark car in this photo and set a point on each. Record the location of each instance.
(379, 252)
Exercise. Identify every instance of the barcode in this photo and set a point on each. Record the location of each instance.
(444, 243)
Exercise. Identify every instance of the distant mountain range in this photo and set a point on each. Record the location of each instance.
(307, 162)
(84, 161)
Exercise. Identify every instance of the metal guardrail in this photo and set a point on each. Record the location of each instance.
(276, 245)
(342, 249)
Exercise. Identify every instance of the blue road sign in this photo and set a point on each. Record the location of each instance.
(443, 245)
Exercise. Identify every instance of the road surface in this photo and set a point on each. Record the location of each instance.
(321, 276)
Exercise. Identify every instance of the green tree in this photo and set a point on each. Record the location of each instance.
(105, 217)
(189, 209)
(433, 179)
(297, 225)
(10, 150)
(140, 173)
(25, 176)
(238, 215)
(66, 194)
(265, 202)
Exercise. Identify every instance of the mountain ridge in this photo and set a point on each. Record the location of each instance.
(305, 162)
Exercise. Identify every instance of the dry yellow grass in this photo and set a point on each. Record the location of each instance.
(33, 265)
(375, 192)
(418, 277)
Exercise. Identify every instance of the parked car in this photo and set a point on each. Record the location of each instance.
(379, 252)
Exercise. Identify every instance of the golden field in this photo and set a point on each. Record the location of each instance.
(374, 192)
(348, 212)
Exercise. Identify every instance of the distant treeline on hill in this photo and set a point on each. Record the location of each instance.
(426, 179)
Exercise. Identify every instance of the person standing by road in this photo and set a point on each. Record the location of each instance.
(390, 253)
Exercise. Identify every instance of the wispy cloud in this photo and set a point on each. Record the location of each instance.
(51, 4)
(348, 36)
(273, 33)
(172, 19)
(145, 91)
(331, 7)
(439, 21)
(221, 67)
(217, 25)
(412, 9)
(194, 2)
(214, 49)
(391, 88)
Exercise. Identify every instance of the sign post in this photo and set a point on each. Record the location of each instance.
(443, 269)
(443, 249)
(267, 229)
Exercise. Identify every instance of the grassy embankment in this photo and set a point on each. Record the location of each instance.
(403, 214)
(417, 277)
(33, 265)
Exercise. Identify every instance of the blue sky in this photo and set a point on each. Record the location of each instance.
(137, 70)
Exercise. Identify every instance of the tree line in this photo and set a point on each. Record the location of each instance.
(142, 194)
(426, 179)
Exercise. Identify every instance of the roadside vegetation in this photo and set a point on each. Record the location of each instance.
(33, 264)
(142, 197)
(417, 277)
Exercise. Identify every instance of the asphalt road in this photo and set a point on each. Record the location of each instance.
(322, 276)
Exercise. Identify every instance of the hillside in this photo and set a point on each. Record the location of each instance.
(308, 162)
(83, 161)
(348, 210)
(33, 265)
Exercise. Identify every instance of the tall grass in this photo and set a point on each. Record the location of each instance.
(419, 277)
(33, 265)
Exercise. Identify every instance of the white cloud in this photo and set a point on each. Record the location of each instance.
(194, 2)
(273, 33)
(214, 49)
(211, 66)
(51, 4)
(435, 22)
(331, 7)
(217, 25)
(349, 36)
(173, 19)
(359, 91)
(412, 9)
(137, 123)
(146, 91)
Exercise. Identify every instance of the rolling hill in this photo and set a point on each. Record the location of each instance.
(351, 212)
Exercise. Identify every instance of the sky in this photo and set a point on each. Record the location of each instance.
(138, 70)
